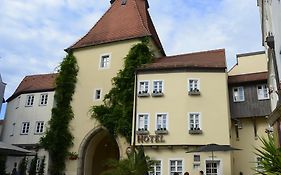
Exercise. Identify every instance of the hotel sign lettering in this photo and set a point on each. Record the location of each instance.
(150, 138)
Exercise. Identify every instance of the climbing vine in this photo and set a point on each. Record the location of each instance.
(116, 112)
(58, 138)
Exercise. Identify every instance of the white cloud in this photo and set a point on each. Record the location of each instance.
(34, 32)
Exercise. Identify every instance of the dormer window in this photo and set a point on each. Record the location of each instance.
(143, 89)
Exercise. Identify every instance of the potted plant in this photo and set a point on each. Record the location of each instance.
(73, 156)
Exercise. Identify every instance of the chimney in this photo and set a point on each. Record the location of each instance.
(112, 1)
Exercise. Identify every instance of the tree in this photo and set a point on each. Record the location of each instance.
(58, 138)
(23, 166)
(136, 164)
(33, 165)
(116, 112)
(270, 157)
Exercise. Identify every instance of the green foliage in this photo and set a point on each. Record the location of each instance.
(58, 138)
(23, 166)
(116, 112)
(136, 164)
(42, 166)
(32, 168)
(270, 155)
(2, 164)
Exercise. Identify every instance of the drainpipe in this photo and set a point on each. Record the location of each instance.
(135, 111)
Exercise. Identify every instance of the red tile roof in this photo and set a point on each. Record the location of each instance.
(205, 59)
(260, 76)
(35, 83)
(121, 22)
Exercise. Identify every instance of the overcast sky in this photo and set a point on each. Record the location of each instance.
(34, 33)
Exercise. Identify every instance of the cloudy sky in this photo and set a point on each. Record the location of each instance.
(34, 33)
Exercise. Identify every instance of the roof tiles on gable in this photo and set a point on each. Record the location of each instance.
(35, 83)
(214, 59)
(121, 22)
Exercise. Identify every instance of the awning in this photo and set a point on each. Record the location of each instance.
(11, 150)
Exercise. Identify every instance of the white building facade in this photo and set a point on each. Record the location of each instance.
(27, 114)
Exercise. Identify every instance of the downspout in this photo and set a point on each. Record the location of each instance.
(135, 111)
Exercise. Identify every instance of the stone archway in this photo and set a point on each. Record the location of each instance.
(97, 147)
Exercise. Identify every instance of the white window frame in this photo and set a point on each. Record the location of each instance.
(219, 169)
(25, 129)
(199, 117)
(38, 164)
(239, 97)
(147, 88)
(29, 100)
(43, 98)
(13, 129)
(95, 94)
(138, 121)
(101, 62)
(154, 168)
(176, 159)
(263, 93)
(156, 120)
(191, 89)
(39, 124)
(157, 89)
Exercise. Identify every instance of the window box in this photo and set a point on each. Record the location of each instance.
(194, 92)
(143, 94)
(157, 94)
(161, 131)
(195, 131)
(142, 131)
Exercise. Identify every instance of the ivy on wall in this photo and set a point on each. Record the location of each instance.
(117, 111)
(58, 138)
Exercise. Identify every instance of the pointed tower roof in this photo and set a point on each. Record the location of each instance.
(125, 19)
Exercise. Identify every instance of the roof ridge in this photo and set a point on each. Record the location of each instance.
(138, 11)
(41, 74)
(91, 28)
(196, 53)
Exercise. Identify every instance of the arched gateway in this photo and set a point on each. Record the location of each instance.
(97, 147)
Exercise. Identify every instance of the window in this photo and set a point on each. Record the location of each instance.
(212, 167)
(143, 87)
(38, 164)
(13, 129)
(196, 158)
(25, 128)
(98, 94)
(39, 127)
(176, 166)
(105, 61)
(156, 168)
(238, 94)
(193, 85)
(194, 121)
(29, 100)
(143, 122)
(161, 122)
(263, 92)
(43, 99)
(157, 86)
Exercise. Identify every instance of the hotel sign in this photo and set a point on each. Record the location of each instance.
(150, 138)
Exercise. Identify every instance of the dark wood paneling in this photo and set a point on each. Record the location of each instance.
(251, 106)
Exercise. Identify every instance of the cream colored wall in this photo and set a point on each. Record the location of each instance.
(23, 113)
(212, 104)
(166, 154)
(243, 161)
(249, 64)
(91, 77)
